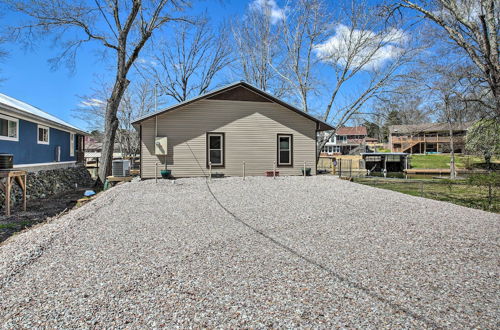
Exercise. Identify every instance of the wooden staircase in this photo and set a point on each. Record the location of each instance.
(405, 146)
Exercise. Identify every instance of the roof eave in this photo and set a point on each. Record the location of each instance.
(43, 120)
(321, 126)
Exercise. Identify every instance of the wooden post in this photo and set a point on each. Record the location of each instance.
(350, 168)
(209, 171)
(243, 170)
(274, 170)
(10, 177)
(340, 167)
(156, 172)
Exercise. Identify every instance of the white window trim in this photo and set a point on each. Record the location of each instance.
(221, 149)
(71, 145)
(38, 134)
(7, 138)
(290, 146)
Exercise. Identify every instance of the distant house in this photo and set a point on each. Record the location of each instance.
(37, 139)
(345, 140)
(224, 128)
(429, 137)
(93, 149)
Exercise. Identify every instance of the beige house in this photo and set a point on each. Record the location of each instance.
(230, 126)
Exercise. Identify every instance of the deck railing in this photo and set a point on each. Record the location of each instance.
(430, 139)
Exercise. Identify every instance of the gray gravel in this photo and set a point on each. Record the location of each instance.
(290, 252)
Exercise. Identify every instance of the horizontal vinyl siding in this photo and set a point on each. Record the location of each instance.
(28, 151)
(250, 129)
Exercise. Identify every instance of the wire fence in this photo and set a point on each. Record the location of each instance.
(455, 191)
(346, 168)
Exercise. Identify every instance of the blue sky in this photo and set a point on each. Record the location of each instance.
(29, 77)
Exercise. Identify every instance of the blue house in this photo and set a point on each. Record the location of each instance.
(37, 139)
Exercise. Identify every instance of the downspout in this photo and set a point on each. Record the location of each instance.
(140, 151)
(316, 149)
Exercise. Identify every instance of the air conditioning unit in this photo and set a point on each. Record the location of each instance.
(161, 145)
(120, 168)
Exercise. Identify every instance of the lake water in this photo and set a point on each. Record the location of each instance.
(402, 175)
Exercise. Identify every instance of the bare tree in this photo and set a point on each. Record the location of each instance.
(300, 32)
(256, 41)
(137, 101)
(474, 26)
(364, 45)
(187, 65)
(3, 52)
(122, 27)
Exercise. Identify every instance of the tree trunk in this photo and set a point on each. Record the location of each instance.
(111, 125)
(487, 159)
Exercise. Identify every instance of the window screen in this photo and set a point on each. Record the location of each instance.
(284, 149)
(215, 146)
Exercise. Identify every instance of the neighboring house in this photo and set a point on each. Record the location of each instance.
(345, 140)
(231, 125)
(37, 139)
(93, 149)
(429, 137)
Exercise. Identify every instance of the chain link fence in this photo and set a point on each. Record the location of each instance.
(455, 191)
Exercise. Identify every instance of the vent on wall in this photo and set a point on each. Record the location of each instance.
(57, 155)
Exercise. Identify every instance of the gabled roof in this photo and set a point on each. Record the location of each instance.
(321, 125)
(428, 127)
(356, 130)
(22, 108)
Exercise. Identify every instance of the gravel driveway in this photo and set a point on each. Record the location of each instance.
(288, 252)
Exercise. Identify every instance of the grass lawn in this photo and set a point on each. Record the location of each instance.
(457, 193)
(443, 161)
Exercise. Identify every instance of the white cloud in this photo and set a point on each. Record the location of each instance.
(269, 7)
(144, 61)
(363, 47)
(91, 103)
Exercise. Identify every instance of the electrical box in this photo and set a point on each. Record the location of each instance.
(161, 145)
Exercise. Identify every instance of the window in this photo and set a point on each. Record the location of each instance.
(43, 135)
(9, 128)
(331, 149)
(342, 138)
(285, 146)
(215, 149)
(71, 144)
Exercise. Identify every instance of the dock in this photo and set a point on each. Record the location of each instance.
(440, 171)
